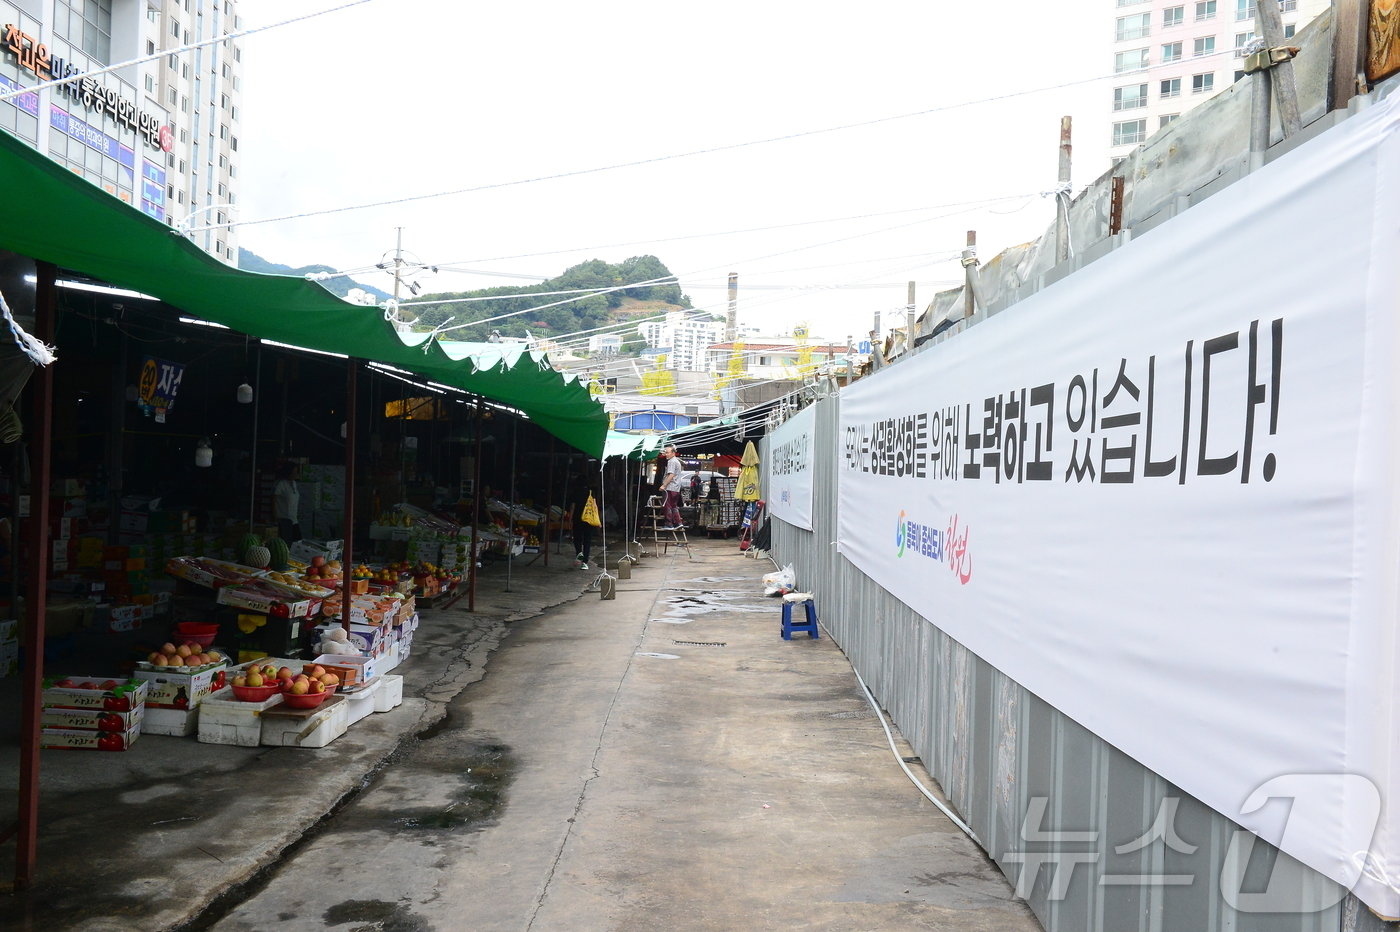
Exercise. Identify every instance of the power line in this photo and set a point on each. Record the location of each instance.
(655, 159)
(188, 47)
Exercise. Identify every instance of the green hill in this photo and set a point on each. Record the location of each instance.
(338, 284)
(530, 311)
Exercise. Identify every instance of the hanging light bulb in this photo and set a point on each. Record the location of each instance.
(203, 454)
(344, 430)
(245, 394)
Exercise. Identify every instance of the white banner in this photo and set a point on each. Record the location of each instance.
(790, 469)
(1161, 494)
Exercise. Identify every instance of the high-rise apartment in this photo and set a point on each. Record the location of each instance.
(161, 135)
(1170, 55)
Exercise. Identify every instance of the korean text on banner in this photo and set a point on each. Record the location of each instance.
(1160, 495)
(790, 469)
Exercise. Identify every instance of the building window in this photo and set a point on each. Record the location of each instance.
(174, 97)
(1173, 16)
(170, 160)
(1203, 83)
(175, 28)
(1205, 10)
(233, 143)
(1241, 40)
(1239, 76)
(237, 53)
(150, 84)
(185, 104)
(1171, 52)
(150, 47)
(223, 131)
(226, 70)
(1171, 87)
(174, 62)
(90, 26)
(1130, 98)
(1135, 60)
(1132, 27)
(233, 114)
(1203, 46)
(1129, 132)
(1166, 119)
(1131, 2)
(1289, 30)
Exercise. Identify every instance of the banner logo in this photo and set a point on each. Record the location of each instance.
(948, 546)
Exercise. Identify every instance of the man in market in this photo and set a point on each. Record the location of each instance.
(671, 488)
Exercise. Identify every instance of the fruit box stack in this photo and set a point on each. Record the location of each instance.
(92, 713)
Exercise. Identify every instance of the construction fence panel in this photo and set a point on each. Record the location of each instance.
(1017, 770)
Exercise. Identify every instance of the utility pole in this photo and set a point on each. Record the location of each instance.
(969, 264)
(731, 329)
(909, 320)
(398, 265)
(1062, 194)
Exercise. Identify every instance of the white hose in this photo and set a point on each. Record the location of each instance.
(967, 829)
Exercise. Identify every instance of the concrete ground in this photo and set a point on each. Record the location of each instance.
(660, 760)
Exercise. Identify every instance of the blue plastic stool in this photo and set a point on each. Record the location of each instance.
(810, 625)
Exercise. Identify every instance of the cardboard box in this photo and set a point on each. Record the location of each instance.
(290, 608)
(88, 740)
(92, 719)
(182, 691)
(177, 722)
(366, 638)
(349, 668)
(69, 693)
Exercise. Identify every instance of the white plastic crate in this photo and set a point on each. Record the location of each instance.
(315, 731)
(390, 693)
(231, 721)
(362, 702)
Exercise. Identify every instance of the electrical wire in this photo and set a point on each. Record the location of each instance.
(179, 50)
(946, 108)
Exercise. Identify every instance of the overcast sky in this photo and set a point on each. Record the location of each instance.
(401, 98)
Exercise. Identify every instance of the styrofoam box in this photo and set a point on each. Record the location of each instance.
(176, 722)
(226, 720)
(362, 702)
(314, 731)
(390, 693)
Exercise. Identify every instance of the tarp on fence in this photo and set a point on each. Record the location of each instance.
(1161, 495)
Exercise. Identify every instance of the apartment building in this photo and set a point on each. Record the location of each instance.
(1171, 55)
(161, 135)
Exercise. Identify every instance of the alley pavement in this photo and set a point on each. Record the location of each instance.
(659, 760)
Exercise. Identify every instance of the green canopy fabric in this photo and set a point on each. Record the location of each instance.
(631, 446)
(51, 214)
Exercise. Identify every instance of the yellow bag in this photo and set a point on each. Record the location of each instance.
(590, 512)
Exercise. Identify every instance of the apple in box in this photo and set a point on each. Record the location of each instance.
(91, 692)
(92, 719)
(88, 740)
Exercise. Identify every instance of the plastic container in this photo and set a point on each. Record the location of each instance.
(306, 700)
(255, 693)
(390, 693)
(229, 721)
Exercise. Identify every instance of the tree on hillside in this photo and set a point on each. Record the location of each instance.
(550, 314)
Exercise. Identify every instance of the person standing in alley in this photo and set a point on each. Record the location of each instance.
(582, 519)
(286, 501)
(671, 488)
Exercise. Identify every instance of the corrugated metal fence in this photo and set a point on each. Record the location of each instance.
(1092, 839)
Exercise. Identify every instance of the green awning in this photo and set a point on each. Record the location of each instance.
(631, 446)
(51, 214)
